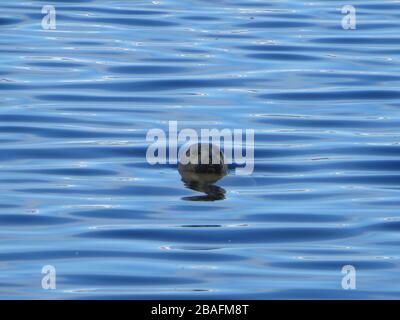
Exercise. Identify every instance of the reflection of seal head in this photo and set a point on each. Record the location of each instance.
(201, 165)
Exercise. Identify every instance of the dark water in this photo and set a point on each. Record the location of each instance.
(78, 194)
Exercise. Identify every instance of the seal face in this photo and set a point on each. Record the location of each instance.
(203, 158)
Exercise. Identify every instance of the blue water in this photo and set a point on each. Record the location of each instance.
(76, 190)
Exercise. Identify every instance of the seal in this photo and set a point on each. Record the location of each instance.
(203, 158)
(200, 166)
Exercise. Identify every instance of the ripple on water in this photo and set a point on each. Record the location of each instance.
(78, 193)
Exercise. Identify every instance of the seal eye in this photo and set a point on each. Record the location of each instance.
(188, 153)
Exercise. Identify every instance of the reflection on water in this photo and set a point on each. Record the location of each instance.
(203, 183)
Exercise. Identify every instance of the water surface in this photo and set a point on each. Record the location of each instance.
(78, 194)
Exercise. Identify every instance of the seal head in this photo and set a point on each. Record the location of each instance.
(200, 166)
(203, 158)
